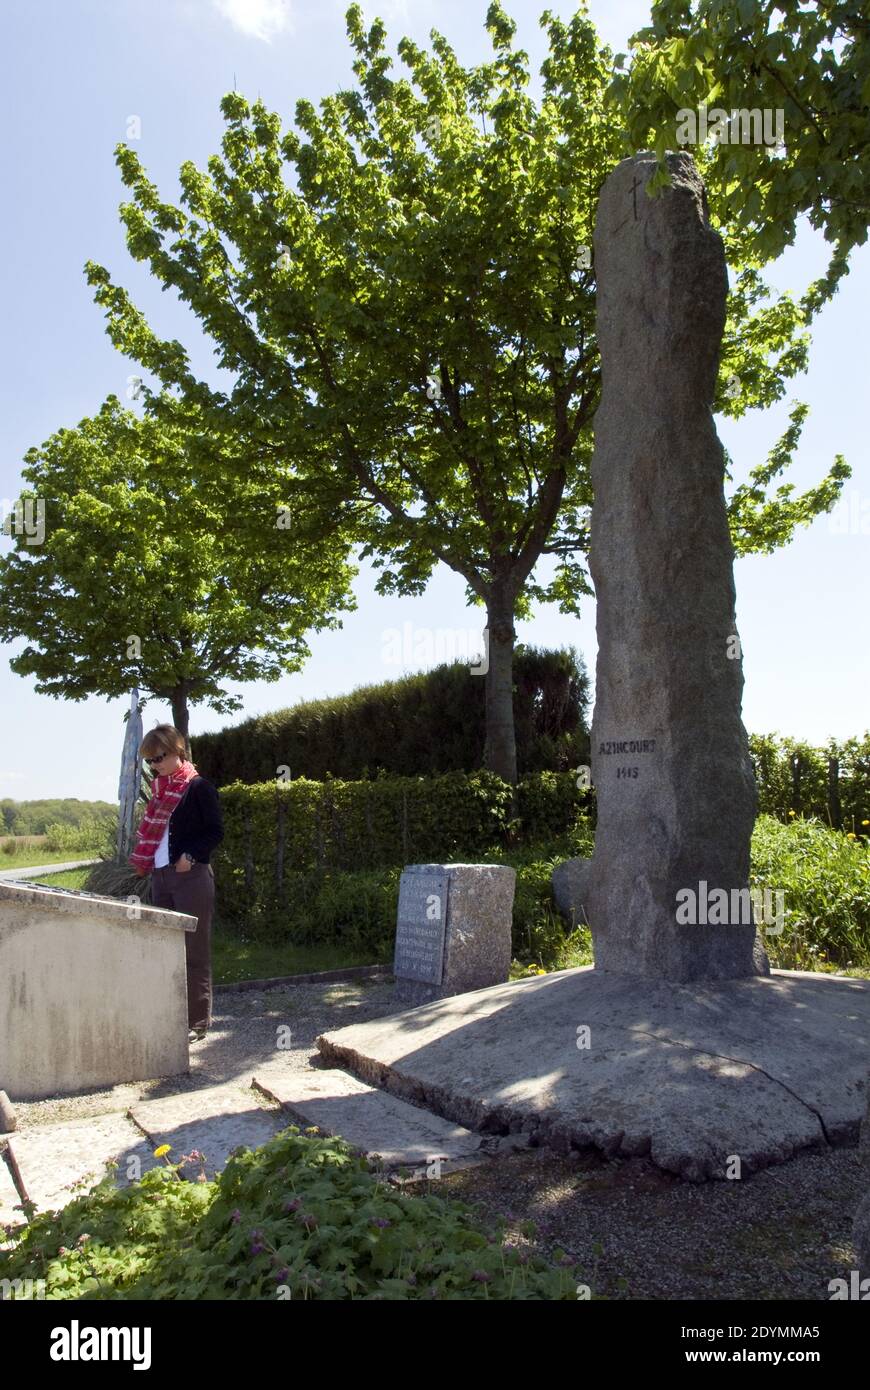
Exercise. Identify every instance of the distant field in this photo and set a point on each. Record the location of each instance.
(25, 852)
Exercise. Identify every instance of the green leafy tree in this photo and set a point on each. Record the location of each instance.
(403, 292)
(809, 61)
(155, 572)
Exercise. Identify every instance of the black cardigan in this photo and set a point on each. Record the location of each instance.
(196, 826)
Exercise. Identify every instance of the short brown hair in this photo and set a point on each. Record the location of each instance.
(163, 738)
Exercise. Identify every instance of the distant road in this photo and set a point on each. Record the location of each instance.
(43, 869)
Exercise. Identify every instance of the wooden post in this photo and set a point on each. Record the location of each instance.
(835, 810)
(128, 785)
(280, 814)
(249, 854)
(796, 783)
(15, 1172)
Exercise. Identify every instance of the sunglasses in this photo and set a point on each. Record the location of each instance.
(158, 759)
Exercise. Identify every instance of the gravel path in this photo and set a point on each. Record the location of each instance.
(638, 1232)
(641, 1234)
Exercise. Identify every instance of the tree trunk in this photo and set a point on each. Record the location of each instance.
(180, 714)
(500, 754)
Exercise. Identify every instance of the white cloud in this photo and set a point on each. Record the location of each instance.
(259, 19)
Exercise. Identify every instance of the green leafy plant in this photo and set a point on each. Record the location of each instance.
(825, 879)
(302, 1217)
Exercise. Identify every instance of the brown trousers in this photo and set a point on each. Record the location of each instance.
(193, 893)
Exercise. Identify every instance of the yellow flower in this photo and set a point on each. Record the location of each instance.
(791, 813)
(164, 1149)
(312, 1129)
(850, 836)
(865, 822)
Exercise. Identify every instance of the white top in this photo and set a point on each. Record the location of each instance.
(161, 854)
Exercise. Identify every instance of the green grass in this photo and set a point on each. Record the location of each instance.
(234, 959)
(824, 877)
(33, 857)
(71, 878)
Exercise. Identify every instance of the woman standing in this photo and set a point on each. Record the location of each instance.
(181, 826)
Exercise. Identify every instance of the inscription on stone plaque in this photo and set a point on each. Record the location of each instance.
(626, 747)
(420, 927)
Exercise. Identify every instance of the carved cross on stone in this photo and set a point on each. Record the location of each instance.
(634, 187)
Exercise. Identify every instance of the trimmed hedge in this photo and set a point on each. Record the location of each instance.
(800, 779)
(428, 723)
(289, 845)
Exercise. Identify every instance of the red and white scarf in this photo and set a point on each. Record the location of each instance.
(165, 796)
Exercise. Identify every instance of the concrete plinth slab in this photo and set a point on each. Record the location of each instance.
(93, 991)
(63, 1161)
(694, 1075)
(215, 1121)
(402, 1135)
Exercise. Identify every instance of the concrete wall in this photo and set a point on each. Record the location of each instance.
(89, 995)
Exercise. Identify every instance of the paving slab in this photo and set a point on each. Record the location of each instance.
(61, 1161)
(693, 1075)
(374, 1121)
(215, 1121)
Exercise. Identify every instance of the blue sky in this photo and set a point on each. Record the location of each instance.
(76, 71)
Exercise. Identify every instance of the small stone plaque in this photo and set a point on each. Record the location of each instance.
(420, 927)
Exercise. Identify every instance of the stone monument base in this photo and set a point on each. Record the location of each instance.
(694, 1076)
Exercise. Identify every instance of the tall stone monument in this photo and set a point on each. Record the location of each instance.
(670, 757)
